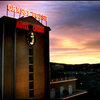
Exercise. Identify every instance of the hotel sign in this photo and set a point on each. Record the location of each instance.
(25, 26)
(25, 12)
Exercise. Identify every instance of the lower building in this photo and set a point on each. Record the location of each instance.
(64, 89)
(63, 83)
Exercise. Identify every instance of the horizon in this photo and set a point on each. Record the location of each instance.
(75, 64)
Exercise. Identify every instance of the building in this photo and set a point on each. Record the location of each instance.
(63, 84)
(24, 59)
(62, 88)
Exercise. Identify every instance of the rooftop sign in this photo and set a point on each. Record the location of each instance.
(25, 12)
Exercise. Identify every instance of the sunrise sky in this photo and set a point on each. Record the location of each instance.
(75, 28)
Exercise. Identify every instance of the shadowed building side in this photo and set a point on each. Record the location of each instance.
(1, 58)
(7, 62)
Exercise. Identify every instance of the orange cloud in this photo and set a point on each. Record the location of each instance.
(74, 45)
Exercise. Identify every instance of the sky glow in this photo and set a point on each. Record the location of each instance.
(75, 28)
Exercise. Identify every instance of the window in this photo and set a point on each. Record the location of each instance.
(30, 37)
(31, 51)
(30, 85)
(30, 76)
(31, 93)
(30, 60)
(30, 68)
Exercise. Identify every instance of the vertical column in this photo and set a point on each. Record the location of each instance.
(8, 59)
(3, 59)
(15, 64)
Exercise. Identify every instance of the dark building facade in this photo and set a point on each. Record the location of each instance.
(24, 59)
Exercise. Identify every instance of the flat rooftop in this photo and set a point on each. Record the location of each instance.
(63, 81)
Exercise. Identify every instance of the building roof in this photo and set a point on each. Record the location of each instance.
(31, 20)
(63, 81)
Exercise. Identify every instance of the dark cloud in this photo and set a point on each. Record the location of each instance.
(64, 49)
(81, 14)
(94, 44)
(87, 17)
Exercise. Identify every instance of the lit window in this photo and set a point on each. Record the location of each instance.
(30, 38)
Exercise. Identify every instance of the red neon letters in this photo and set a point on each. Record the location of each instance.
(22, 25)
(38, 29)
(25, 26)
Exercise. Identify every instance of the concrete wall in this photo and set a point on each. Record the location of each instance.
(41, 66)
(39, 70)
(22, 66)
(65, 86)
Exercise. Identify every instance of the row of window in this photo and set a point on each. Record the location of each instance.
(31, 71)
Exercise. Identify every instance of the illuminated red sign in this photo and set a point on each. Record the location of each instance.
(25, 12)
(25, 26)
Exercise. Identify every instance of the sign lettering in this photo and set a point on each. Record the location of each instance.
(25, 26)
(25, 12)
